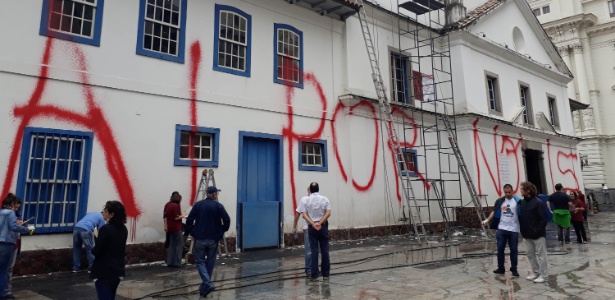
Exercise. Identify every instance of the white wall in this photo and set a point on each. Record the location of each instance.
(143, 98)
(508, 77)
(498, 27)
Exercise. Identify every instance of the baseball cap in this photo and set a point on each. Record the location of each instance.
(212, 189)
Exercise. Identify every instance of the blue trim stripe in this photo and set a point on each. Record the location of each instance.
(94, 40)
(216, 66)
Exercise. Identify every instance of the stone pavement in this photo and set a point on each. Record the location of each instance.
(381, 268)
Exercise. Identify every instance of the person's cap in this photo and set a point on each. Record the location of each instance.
(212, 189)
(174, 193)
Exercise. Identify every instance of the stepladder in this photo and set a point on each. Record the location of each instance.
(207, 180)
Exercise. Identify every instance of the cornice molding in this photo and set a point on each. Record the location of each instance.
(576, 22)
(601, 29)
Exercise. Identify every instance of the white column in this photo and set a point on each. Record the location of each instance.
(591, 84)
(572, 91)
(581, 75)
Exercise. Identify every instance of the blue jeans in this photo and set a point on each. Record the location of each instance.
(82, 236)
(503, 236)
(205, 258)
(320, 238)
(106, 288)
(308, 251)
(563, 233)
(9, 284)
(6, 253)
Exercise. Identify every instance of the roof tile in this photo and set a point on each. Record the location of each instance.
(478, 13)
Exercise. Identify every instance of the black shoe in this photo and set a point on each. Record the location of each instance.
(208, 292)
(9, 296)
(499, 271)
(515, 273)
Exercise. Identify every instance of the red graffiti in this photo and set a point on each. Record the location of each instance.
(364, 294)
(508, 147)
(572, 157)
(408, 145)
(93, 119)
(369, 106)
(289, 132)
(195, 62)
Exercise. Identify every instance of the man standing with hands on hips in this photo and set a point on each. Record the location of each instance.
(317, 212)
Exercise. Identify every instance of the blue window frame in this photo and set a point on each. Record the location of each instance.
(74, 20)
(53, 179)
(162, 29)
(288, 55)
(199, 145)
(411, 163)
(313, 155)
(232, 40)
(399, 78)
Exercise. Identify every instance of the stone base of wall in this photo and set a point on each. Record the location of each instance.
(467, 218)
(61, 260)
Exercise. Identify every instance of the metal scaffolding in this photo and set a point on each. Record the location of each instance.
(423, 44)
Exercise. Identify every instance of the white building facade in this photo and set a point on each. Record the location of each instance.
(131, 100)
(584, 34)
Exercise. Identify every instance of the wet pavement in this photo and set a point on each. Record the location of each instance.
(395, 267)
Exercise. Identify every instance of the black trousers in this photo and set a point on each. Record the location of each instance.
(579, 229)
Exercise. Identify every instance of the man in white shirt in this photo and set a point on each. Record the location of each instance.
(317, 212)
(508, 229)
(306, 236)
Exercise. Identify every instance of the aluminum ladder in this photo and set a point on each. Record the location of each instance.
(385, 111)
(438, 190)
(463, 168)
(207, 180)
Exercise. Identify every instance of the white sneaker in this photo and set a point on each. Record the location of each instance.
(540, 279)
(532, 277)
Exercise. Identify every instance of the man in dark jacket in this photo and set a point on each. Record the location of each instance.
(533, 223)
(212, 221)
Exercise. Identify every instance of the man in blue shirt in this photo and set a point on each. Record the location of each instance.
(207, 222)
(83, 234)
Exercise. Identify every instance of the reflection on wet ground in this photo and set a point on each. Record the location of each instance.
(395, 267)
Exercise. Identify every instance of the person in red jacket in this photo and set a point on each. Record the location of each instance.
(173, 227)
(577, 211)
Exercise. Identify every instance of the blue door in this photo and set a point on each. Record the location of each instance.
(259, 190)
